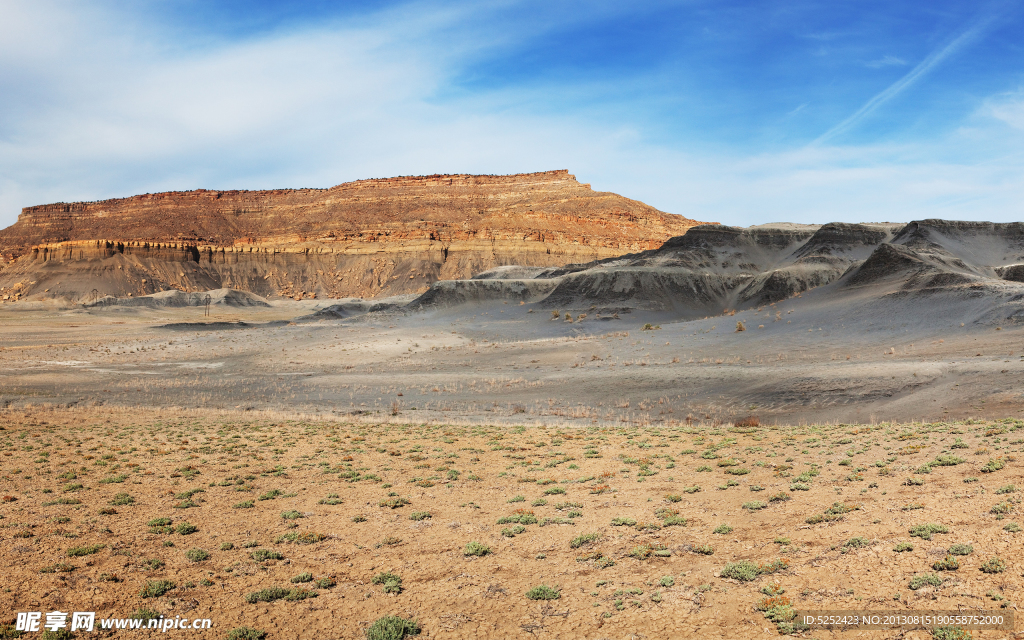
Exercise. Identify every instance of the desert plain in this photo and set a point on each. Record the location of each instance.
(660, 477)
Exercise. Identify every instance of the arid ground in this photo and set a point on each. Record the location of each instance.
(600, 458)
(641, 532)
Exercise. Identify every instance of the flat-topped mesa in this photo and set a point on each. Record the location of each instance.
(364, 238)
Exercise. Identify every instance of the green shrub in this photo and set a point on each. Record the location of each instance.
(394, 503)
(226, 546)
(392, 628)
(925, 580)
(419, 515)
(673, 498)
(197, 555)
(76, 552)
(543, 592)
(856, 542)
(704, 550)
(291, 515)
(246, 633)
(476, 549)
(903, 546)
(925, 531)
(1013, 527)
(158, 522)
(950, 633)
(156, 588)
(755, 505)
(303, 577)
(122, 500)
(553, 491)
(260, 555)
(722, 529)
(581, 540)
(744, 571)
(994, 464)
(247, 504)
(961, 549)
(667, 581)
(392, 582)
(623, 522)
(185, 528)
(993, 565)
(277, 593)
(1006, 489)
(949, 563)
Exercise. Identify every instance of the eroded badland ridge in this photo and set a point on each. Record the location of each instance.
(366, 238)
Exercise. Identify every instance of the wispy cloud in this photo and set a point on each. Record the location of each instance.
(886, 61)
(934, 59)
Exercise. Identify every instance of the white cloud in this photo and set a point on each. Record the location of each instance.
(104, 111)
(886, 61)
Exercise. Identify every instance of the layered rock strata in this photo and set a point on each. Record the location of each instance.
(359, 239)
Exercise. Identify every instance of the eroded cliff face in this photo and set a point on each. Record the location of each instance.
(358, 239)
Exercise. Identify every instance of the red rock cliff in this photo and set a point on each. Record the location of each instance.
(364, 238)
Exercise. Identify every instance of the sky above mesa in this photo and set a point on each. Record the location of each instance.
(740, 112)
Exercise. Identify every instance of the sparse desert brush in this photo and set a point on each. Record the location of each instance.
(544, 592)
(1013, 527)
(247, 504)
(476, 549)
(994, 464)
(950, 633)
(744, 571)
(623, 522)
(959, 549)
(260, 555)
(75, 552)
(246, 633)
(278, 593)
(156, 588)
(1002, 508)
(122, 500)
(581, 540)
(993, 565)
(394, 503)
(302, 577)
(391, 582)
(291, 515)
(949, 563)
(518, 499)
(419, 515)
(856, 542)
(925, 531)
(673, 497)
(755, 505)
(185, 528)
(331, 500)
(926, 580)
(392, 628)
(197, 555)
(1006, 489)
(947, 460)
(903, 547)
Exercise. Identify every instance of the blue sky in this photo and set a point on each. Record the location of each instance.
(731, 111)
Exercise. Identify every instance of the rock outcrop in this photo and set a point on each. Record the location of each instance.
(359, 239)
